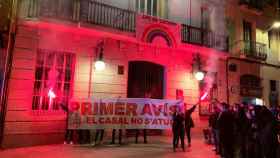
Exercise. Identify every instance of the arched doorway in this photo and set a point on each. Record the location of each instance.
(145, 80)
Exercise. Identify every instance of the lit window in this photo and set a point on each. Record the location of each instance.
(53, 78)
(152, 7)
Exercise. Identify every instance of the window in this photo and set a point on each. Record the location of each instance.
(269, 38)
(273, 85)
(247, 37)
(53, 79)
(205, 18)
(152, 7)
(273, 95)
(250, 81)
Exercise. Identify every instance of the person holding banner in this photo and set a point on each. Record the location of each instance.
(114, 135)
(189, 123)
(178, 130)
(144, 135)
(68, 139)
(147, 94)
(174, 132)
(98, 140)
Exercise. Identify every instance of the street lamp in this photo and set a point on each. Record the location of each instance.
(99, 63)
(199, 75)
(276, 25)
(196, 65)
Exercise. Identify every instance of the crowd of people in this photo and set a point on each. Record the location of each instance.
(238, 131)
(245, 131)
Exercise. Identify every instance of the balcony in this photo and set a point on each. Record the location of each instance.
(93, 12)
(198, 36)
(251, 49)
(255, 6)
(86, 11)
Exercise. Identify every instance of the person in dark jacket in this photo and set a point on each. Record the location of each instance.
(242, 127)
(213, 124)
(278, 134)
(98, 139)
(189, 123)
(178, 130)
(226, 123)
(174, 130)
(267, 132)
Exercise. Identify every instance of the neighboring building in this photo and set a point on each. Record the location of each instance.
(5, 7)
(270, 71)
(253, 67)
(58, 43)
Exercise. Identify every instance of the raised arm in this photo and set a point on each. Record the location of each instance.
(191, 110)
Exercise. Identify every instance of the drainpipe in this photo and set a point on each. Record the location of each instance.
(190, 12)
(227, 86)
(90, 76)
(8, 67)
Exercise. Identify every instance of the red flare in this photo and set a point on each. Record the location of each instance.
(51, 94)
(203, 96)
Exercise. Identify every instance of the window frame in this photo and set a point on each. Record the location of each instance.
(151, 7)
(273, 85)
(43, 81)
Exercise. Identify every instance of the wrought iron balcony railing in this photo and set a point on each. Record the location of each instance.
(198, 36)
(254, 4)
(102, 14)
(93, 12)
(81, 10)
(251, 49)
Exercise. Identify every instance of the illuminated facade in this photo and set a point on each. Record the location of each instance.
(146, 55)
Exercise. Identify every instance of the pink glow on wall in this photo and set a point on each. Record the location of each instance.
(181, 55)
(126, 38)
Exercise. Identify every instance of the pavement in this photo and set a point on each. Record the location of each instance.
(157, 147)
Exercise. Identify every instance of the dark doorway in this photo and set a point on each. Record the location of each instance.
(145, 80)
